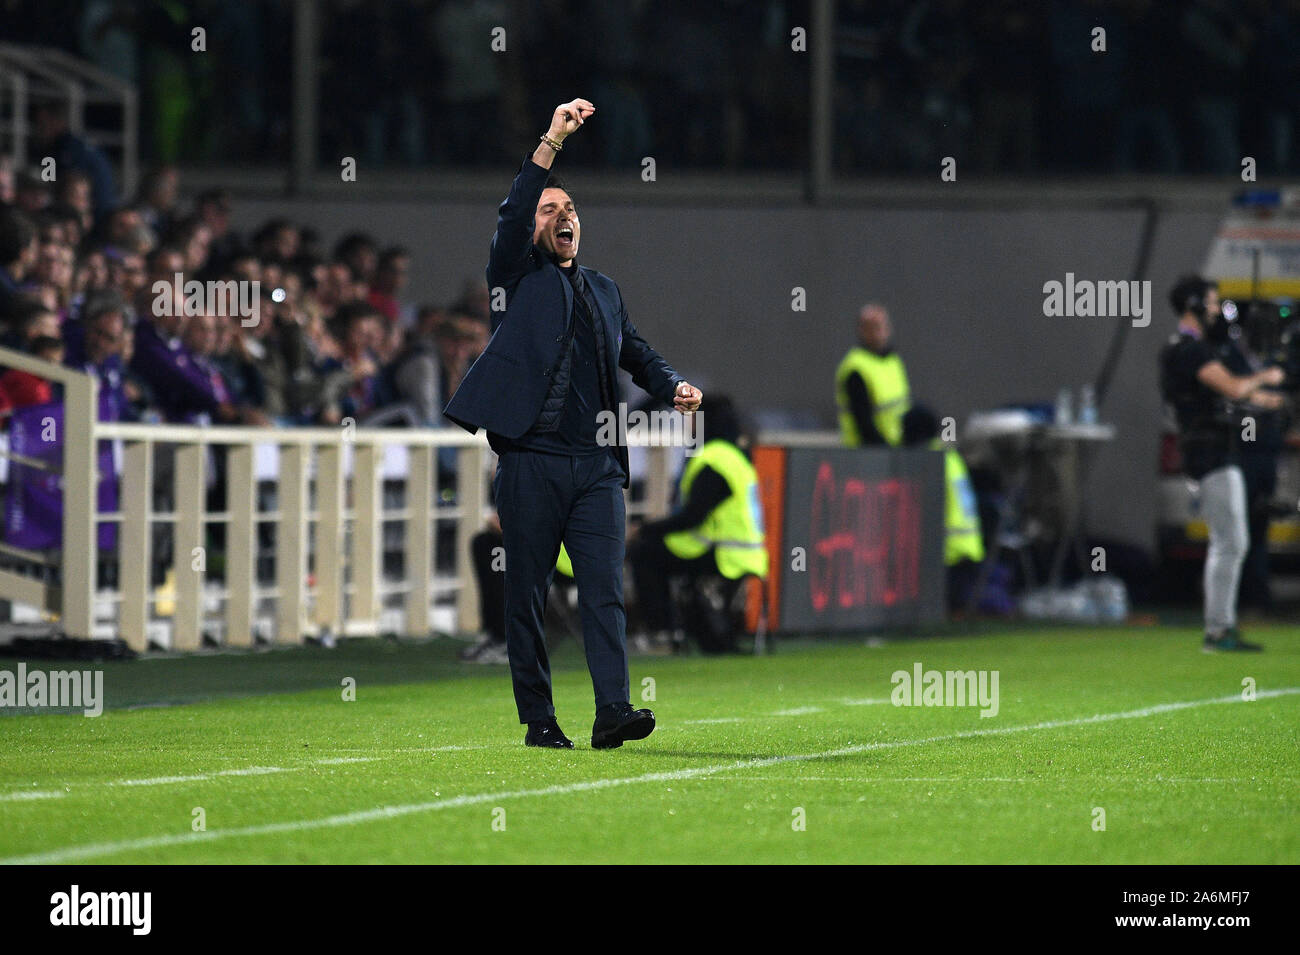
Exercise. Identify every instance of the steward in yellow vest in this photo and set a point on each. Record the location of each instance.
(871, 388)
(875, 408)
(734, 527)
(716, 531)
(964, 539)
(872, 394)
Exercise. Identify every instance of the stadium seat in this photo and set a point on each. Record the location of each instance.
(718, 610)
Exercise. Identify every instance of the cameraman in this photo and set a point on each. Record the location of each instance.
(1205, 396)
(1260, 447)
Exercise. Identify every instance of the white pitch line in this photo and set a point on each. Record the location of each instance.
(794, 711)
(903, 779)
(32, 794)
(253, 771)
(23, 795)
(154, 781)
(71, 853)
(199, 777)
(1073, 780)
(406, 749)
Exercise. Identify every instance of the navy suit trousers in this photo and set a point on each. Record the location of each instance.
(543, 499)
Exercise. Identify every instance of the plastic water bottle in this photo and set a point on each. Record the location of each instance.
(1064, 410)
(1111, 597)
(1087, 405)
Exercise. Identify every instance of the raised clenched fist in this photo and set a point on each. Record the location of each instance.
(568, 117)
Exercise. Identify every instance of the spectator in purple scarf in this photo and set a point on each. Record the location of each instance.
(103, 328)
(183, 389)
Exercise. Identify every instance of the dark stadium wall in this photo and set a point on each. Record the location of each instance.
(711, 288)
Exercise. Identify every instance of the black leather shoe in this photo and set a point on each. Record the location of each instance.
(1229, 640)
(547, 733)
(619, 723)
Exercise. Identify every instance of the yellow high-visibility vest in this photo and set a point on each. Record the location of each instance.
(963, 540)
(734, 527)
(564, 565)
(886, 381)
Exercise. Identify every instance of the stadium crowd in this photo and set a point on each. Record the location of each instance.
(331, 336)
(1012, 87)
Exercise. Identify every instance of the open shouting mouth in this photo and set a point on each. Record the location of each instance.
(564, 239)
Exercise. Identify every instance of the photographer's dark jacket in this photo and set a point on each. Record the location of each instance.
(1206, 425)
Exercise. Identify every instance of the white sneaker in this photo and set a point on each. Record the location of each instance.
(471, 652)
(493, 653)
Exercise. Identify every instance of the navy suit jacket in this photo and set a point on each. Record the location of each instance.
(504, 389)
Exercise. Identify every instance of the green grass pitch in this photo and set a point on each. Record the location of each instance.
(793, 757)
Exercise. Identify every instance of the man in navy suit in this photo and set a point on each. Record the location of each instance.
(539, 389)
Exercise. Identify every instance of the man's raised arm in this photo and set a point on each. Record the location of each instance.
(514, 233)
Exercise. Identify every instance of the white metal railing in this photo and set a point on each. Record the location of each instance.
(330, 480)
(342, 465)
(77, 563)
(27, 71)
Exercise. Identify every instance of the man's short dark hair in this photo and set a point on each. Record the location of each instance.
(43, 343)
(352, 312)
(303, 265)
(16, 233)
(216, 196)
(391, 255)
(353, 242)
(28, 181)
(105, 302)
(266, 232)
(555, 182)
(722, 419)
(182, 231)
(354, 274)
(28, 312)
(155, 256)
(62, 212)
(69, 178)
(1189, 293)
(47, 218)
